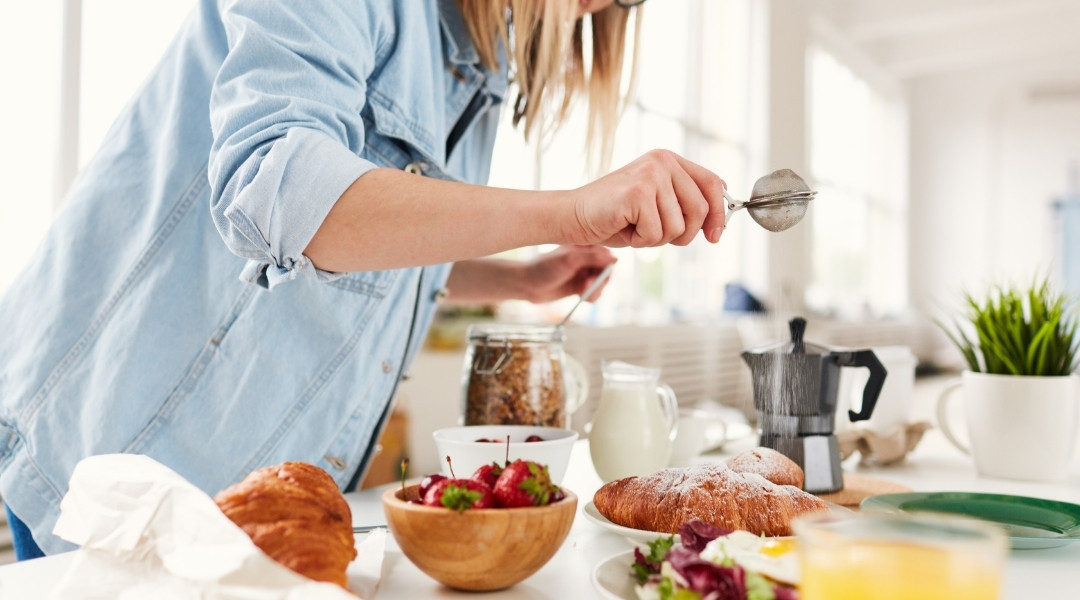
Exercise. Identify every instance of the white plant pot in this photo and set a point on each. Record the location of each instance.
(1019, 427)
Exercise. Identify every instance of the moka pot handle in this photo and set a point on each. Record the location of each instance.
(865, 358)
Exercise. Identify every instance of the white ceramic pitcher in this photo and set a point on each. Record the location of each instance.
(635, 424)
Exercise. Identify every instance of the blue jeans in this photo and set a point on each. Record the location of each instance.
(25, 546)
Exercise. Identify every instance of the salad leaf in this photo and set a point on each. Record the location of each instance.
(708, 578)
(668, 591)
(645, 565)
(758, 588)
(785, 593)
(679, 572)
(695, 534)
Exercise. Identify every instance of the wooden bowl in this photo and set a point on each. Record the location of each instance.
(477, 549)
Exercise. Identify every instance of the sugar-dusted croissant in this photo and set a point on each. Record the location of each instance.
(295, 513)
(768, 463)
(711, 492)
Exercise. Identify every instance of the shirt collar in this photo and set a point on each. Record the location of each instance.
(457, 34)
(462, 51)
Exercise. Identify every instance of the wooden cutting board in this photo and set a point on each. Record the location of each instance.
(859, 487)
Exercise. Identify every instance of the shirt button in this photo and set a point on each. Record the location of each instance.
(336, 462)
(386, 366)
(414, 168)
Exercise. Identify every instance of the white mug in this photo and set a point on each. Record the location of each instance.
(893, 407)
(698, 430)
(1019, 427)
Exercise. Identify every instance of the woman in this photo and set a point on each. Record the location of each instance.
(338, 152)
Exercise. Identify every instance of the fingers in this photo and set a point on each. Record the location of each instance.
(694, 206)
(660, 222)
(596, 257)
(594, 294)
(660, 198)
(587, 263)
(712, 189)
(688, 198)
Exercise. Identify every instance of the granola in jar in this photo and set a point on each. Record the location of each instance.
(514, 375)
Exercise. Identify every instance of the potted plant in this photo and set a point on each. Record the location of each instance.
(1020, 387)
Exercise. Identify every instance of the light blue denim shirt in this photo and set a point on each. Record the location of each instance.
(170, 310)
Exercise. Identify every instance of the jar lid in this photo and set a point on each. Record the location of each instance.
(522, 332)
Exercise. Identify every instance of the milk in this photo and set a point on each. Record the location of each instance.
(634, 425)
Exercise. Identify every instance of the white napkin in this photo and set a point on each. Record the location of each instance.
(146, 532)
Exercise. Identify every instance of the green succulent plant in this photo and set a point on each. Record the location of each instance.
(1017, 330)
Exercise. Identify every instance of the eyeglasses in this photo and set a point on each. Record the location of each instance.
(628, 3)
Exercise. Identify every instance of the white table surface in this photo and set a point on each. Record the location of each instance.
(933, 466)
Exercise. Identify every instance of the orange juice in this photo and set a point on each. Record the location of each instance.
(888, 556)
(896, 571)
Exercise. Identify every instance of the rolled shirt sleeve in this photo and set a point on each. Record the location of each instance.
(285, 114)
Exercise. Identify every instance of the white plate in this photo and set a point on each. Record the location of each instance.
(642, 536)
(611, 577)
(639, 536)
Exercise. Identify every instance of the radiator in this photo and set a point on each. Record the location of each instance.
(702, 362)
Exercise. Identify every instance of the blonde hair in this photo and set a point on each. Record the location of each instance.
(545, 43)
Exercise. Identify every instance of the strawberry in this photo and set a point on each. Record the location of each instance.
(459, 494)
(489, 474)
(524, 483)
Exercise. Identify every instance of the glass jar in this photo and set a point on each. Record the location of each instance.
(519, 374)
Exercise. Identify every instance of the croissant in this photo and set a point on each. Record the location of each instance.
(711, 492)
(770, 464)
(295, 514)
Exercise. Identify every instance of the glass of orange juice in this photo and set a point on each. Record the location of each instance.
(889, 556)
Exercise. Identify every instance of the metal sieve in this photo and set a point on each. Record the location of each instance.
(778, 201)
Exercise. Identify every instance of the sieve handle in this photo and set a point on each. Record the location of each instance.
(732, 206)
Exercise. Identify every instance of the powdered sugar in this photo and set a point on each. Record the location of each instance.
(711, 492)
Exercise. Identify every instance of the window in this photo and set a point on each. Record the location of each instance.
(116, 60)
(857, 161)
(694, 96)
(29, 59)
(109, 62)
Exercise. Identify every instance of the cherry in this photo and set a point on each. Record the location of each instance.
(488, 473)
(460, 494)
(534, 438)
(427, 482)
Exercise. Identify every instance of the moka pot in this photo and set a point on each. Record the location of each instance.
(795, 394)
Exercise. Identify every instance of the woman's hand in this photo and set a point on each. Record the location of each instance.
(565, 271)
(660, 198)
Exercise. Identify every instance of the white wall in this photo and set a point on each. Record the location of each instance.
(987, 161)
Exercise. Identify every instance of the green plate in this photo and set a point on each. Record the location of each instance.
(1029, 522)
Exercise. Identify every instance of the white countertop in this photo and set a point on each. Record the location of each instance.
(933, 466)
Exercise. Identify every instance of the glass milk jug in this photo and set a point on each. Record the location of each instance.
(635, 423)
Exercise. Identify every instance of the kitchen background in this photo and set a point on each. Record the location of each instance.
(943, 137)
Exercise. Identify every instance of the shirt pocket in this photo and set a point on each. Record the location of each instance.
(395, 142)
(370, 283)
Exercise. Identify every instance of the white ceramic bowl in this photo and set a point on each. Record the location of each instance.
(467, 454)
